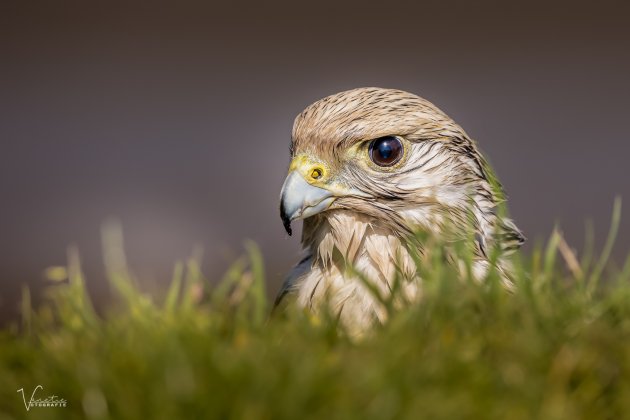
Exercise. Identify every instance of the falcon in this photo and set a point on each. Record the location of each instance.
(371, 167)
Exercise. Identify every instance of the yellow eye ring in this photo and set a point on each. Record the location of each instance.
(367, 153)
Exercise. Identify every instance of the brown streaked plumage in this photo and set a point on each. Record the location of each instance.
(370, 167)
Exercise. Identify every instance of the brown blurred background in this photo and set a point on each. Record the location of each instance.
(176, 118)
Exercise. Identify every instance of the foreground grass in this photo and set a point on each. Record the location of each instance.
(557, 347)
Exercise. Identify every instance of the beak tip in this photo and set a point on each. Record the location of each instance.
(286, 220)
(287, 227)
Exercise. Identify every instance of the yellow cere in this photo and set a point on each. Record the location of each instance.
(318, 174)
(313, 171)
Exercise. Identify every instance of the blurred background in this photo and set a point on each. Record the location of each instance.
(175, 118)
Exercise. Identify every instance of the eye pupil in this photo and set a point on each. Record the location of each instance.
(386, 151)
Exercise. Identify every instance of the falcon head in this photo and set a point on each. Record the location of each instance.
(393, 159)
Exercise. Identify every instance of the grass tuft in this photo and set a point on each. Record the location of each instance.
(555, 346)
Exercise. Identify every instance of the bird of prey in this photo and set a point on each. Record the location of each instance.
(369, 167)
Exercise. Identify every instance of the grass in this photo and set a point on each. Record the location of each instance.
(556, 347)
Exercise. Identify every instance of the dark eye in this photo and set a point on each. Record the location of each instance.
(386, 151)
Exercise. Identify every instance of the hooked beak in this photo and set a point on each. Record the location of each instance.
(299, 199)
